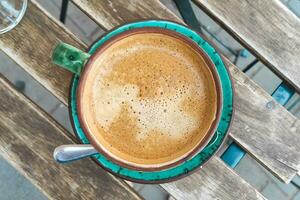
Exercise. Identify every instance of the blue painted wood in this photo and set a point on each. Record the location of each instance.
(233, 155)
(283, 93)
(188, 15)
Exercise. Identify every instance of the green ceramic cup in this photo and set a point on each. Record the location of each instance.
(75, 61)
(69, 57)
(81, 63)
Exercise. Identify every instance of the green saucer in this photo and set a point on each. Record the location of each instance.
(198, 160)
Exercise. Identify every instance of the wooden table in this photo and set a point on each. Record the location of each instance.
(28, 135)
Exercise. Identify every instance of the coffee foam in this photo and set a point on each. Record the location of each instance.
(160, 114)
(149, 99)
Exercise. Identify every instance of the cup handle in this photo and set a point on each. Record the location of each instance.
(69, 57)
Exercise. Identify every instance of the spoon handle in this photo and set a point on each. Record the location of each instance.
(71, 152)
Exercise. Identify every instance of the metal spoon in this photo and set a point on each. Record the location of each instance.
(71, 152)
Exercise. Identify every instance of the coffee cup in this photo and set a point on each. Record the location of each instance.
(148, 98)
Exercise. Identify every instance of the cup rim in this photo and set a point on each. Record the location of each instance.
(196, 149)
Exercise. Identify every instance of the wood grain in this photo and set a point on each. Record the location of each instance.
(214, 181)
(58, 87)
(264, 133)
(27, 140)
(28, 143)
(267, 28)
(30, 45)
(264, 128)
(116, 12)
(230, 177)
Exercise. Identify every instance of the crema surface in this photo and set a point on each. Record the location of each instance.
(149, 99)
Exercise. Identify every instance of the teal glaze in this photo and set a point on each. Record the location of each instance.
(199, 159)
(69, 57)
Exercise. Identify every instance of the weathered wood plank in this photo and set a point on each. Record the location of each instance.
(27, 140)
(267, 28)
(26, 143)
(114, 13)
(255, 125)
(30, 45)
(264, 128)
(214, 181)
(233, 179)
(52, 24)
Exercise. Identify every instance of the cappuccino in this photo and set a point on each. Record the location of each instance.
(148, 99)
